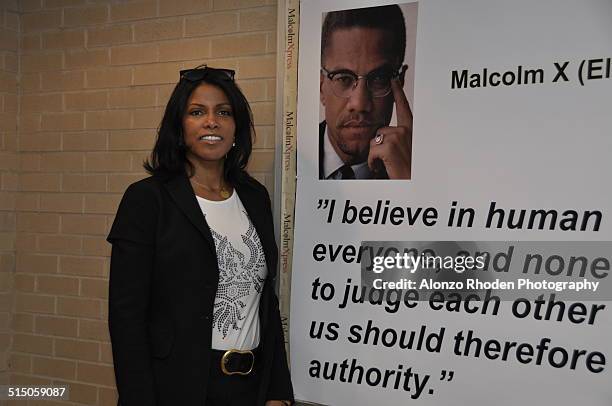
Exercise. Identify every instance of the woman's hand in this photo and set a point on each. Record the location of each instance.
(278, 403)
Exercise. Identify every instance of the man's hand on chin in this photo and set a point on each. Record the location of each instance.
(393, 145)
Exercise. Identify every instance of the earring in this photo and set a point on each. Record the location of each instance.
(233, 144)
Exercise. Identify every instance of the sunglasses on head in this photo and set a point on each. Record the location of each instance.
(202, 72)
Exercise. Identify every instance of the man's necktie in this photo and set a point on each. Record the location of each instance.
(346, 172)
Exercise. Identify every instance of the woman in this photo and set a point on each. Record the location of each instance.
(193, 316)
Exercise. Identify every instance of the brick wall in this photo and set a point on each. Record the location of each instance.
(9, 44)
(94, 77)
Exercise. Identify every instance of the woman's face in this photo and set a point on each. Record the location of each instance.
(208, 125)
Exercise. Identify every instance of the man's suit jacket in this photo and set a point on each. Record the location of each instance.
(321, 149)
(163, 282)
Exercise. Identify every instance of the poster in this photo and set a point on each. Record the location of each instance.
(504, 150)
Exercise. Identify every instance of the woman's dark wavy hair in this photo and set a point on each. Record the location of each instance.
(168, 158)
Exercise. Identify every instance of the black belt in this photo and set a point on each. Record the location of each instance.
(235, 362)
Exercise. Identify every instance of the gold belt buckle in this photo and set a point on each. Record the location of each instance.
(225, 358)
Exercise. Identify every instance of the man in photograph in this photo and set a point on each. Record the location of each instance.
(362, 77)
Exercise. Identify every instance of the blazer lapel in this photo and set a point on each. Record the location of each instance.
(183, 195)
(254, 202)
(255, 205)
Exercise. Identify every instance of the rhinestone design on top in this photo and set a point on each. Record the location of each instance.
(239, 276)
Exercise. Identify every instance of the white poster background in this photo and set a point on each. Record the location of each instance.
(536, 146)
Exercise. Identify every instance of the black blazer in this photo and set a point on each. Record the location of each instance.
(163, 281)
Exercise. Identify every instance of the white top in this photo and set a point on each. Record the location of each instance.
(242, 271)
(332, 162)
